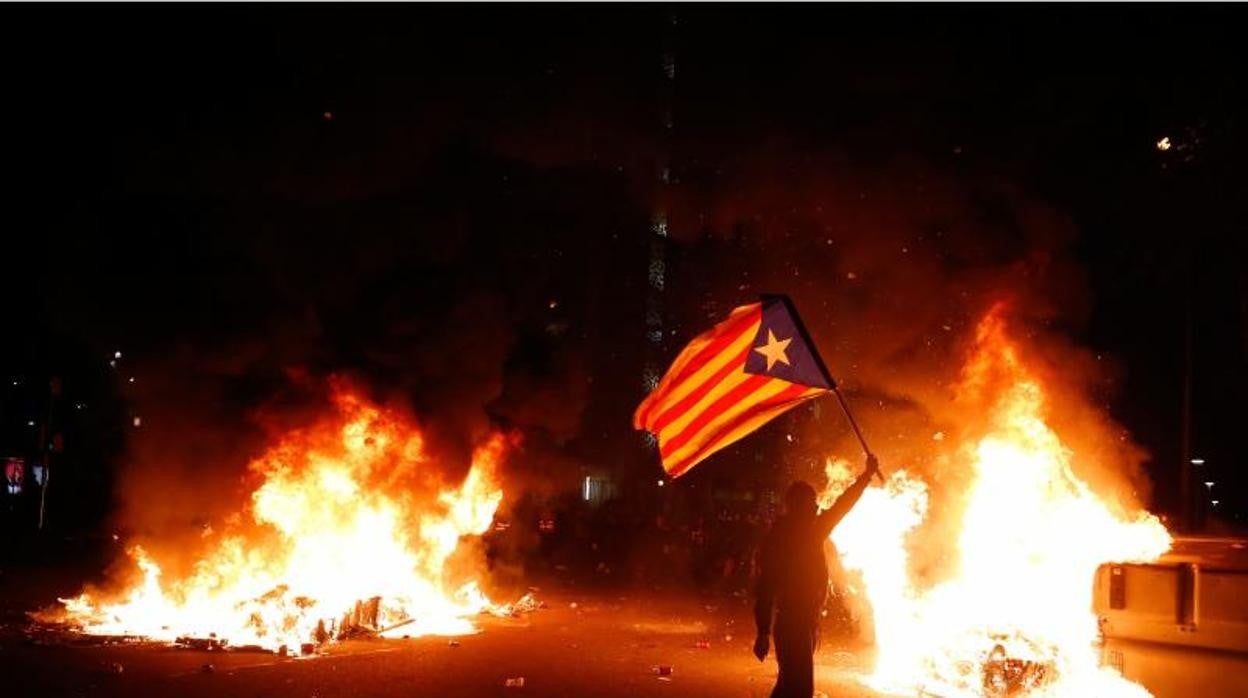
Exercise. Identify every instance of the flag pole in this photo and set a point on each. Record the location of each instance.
(854, 423)
(823, 370)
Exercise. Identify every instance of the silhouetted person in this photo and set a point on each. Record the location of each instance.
(793, 582)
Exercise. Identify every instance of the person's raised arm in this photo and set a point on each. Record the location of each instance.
(832, 516)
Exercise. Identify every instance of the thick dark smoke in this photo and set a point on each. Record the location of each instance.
(447, 337)
(893, 263)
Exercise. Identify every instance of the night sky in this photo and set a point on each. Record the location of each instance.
(453, 204)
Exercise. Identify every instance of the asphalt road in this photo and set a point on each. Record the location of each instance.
(602, 646)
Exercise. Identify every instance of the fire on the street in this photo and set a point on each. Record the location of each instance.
(351, 529)
(338, 537)
(1014, 615)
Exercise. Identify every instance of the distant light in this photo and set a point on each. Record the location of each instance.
(138, 421)
(661, 483)
(1164, 144)
(788, 437)
(1198, 461)
(113, 363)
(16, 383)
(328, 116)
(30, 423)
(131, 379)
(553, 304)
(116, 355)
(1209, 484)
(1215, 502)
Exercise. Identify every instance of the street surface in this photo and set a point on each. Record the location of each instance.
(605, 645)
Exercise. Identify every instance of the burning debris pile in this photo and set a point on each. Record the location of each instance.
(350, 531)
(1013, 615)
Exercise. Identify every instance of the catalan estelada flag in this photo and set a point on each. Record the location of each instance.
(730, 381)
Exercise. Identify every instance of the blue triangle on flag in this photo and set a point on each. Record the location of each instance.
(782, 342)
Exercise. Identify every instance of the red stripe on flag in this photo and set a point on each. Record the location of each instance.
(717, 345)
(674, 412)
(791, 393)
(723, 341)
(715, 409)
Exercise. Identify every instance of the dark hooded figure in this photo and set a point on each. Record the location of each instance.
(793, 582)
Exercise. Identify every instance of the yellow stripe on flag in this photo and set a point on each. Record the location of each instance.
(739, 431)
(769, 390)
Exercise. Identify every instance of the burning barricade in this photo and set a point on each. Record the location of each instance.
(350, 531)
(1013, 615)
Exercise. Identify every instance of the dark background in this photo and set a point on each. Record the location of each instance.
(455, 205)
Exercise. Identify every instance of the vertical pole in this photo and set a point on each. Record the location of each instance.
(46, 451)
(43, 494)
(1186, 491)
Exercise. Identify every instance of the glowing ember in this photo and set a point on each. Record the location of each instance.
(1015, 614)
(349, 530)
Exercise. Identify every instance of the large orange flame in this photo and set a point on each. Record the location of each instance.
(339, 519)
(1016, 614)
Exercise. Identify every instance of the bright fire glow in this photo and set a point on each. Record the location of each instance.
(1015, 614)
(346, 511)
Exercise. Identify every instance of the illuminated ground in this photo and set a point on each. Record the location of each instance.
(605, 646)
